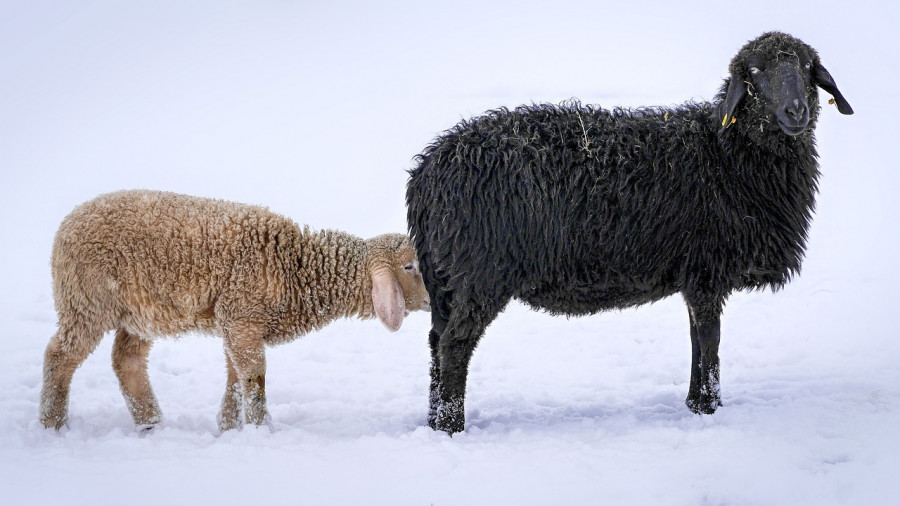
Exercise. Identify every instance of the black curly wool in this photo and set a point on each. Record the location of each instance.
(576, 209)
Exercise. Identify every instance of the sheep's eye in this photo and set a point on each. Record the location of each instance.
(808, 66)
(754, 70)
(409, 267)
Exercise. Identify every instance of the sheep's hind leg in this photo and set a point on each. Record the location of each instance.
(434, 388)
(439, 320)
(245, 348)
(67, 349)
(704, 395)
(129, 358)
(230, 414)
(468, 320)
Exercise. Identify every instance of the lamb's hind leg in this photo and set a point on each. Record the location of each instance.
(129, 358)
(67, 349)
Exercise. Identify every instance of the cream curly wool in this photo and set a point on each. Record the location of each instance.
(149, 264)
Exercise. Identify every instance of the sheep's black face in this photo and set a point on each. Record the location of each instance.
(772, 87)
(785, 93)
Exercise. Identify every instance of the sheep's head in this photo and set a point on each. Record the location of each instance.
(772, 86)
(397, 286)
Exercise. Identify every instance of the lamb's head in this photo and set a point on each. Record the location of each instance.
(772, 87)
(397, 286)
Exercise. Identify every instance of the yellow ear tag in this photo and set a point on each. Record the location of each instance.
(831, 101)
(733, 120)
(724, 120)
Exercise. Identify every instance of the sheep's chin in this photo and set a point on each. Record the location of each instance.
(793, 131)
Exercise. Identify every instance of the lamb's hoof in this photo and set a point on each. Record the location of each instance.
(145, 429)
(56, 423)
(705, 405)
(227, 423)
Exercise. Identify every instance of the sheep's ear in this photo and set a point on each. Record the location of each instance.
(737, 90)
(387, 299)
(826, 82)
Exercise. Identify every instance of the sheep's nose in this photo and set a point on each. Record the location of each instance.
(796, 111)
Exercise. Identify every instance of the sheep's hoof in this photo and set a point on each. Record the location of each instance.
(450, 418)
(705, 405)
(450, 427)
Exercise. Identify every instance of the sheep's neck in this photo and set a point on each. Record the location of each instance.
(770, 194)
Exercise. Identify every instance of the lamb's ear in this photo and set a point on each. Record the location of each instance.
(826, 82)
(387, 299)
(736, 92)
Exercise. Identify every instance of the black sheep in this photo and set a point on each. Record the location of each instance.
(577, 209)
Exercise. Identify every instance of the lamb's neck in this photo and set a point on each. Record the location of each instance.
(345, 287)
(363, 307)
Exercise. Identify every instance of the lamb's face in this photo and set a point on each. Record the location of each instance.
(397, 285)
(406, 269)
(773, 84)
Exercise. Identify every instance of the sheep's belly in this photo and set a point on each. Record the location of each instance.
(586, 299)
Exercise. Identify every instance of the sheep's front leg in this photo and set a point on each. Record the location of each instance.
(704, 395)
(245, 349)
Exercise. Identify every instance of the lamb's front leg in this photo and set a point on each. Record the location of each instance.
(245, 348)
(230, 415)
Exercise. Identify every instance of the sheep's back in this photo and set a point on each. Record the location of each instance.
(569, 196)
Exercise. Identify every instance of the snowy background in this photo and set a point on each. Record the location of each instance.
(316, 109)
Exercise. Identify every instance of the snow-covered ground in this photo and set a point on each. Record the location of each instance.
(316, 109)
